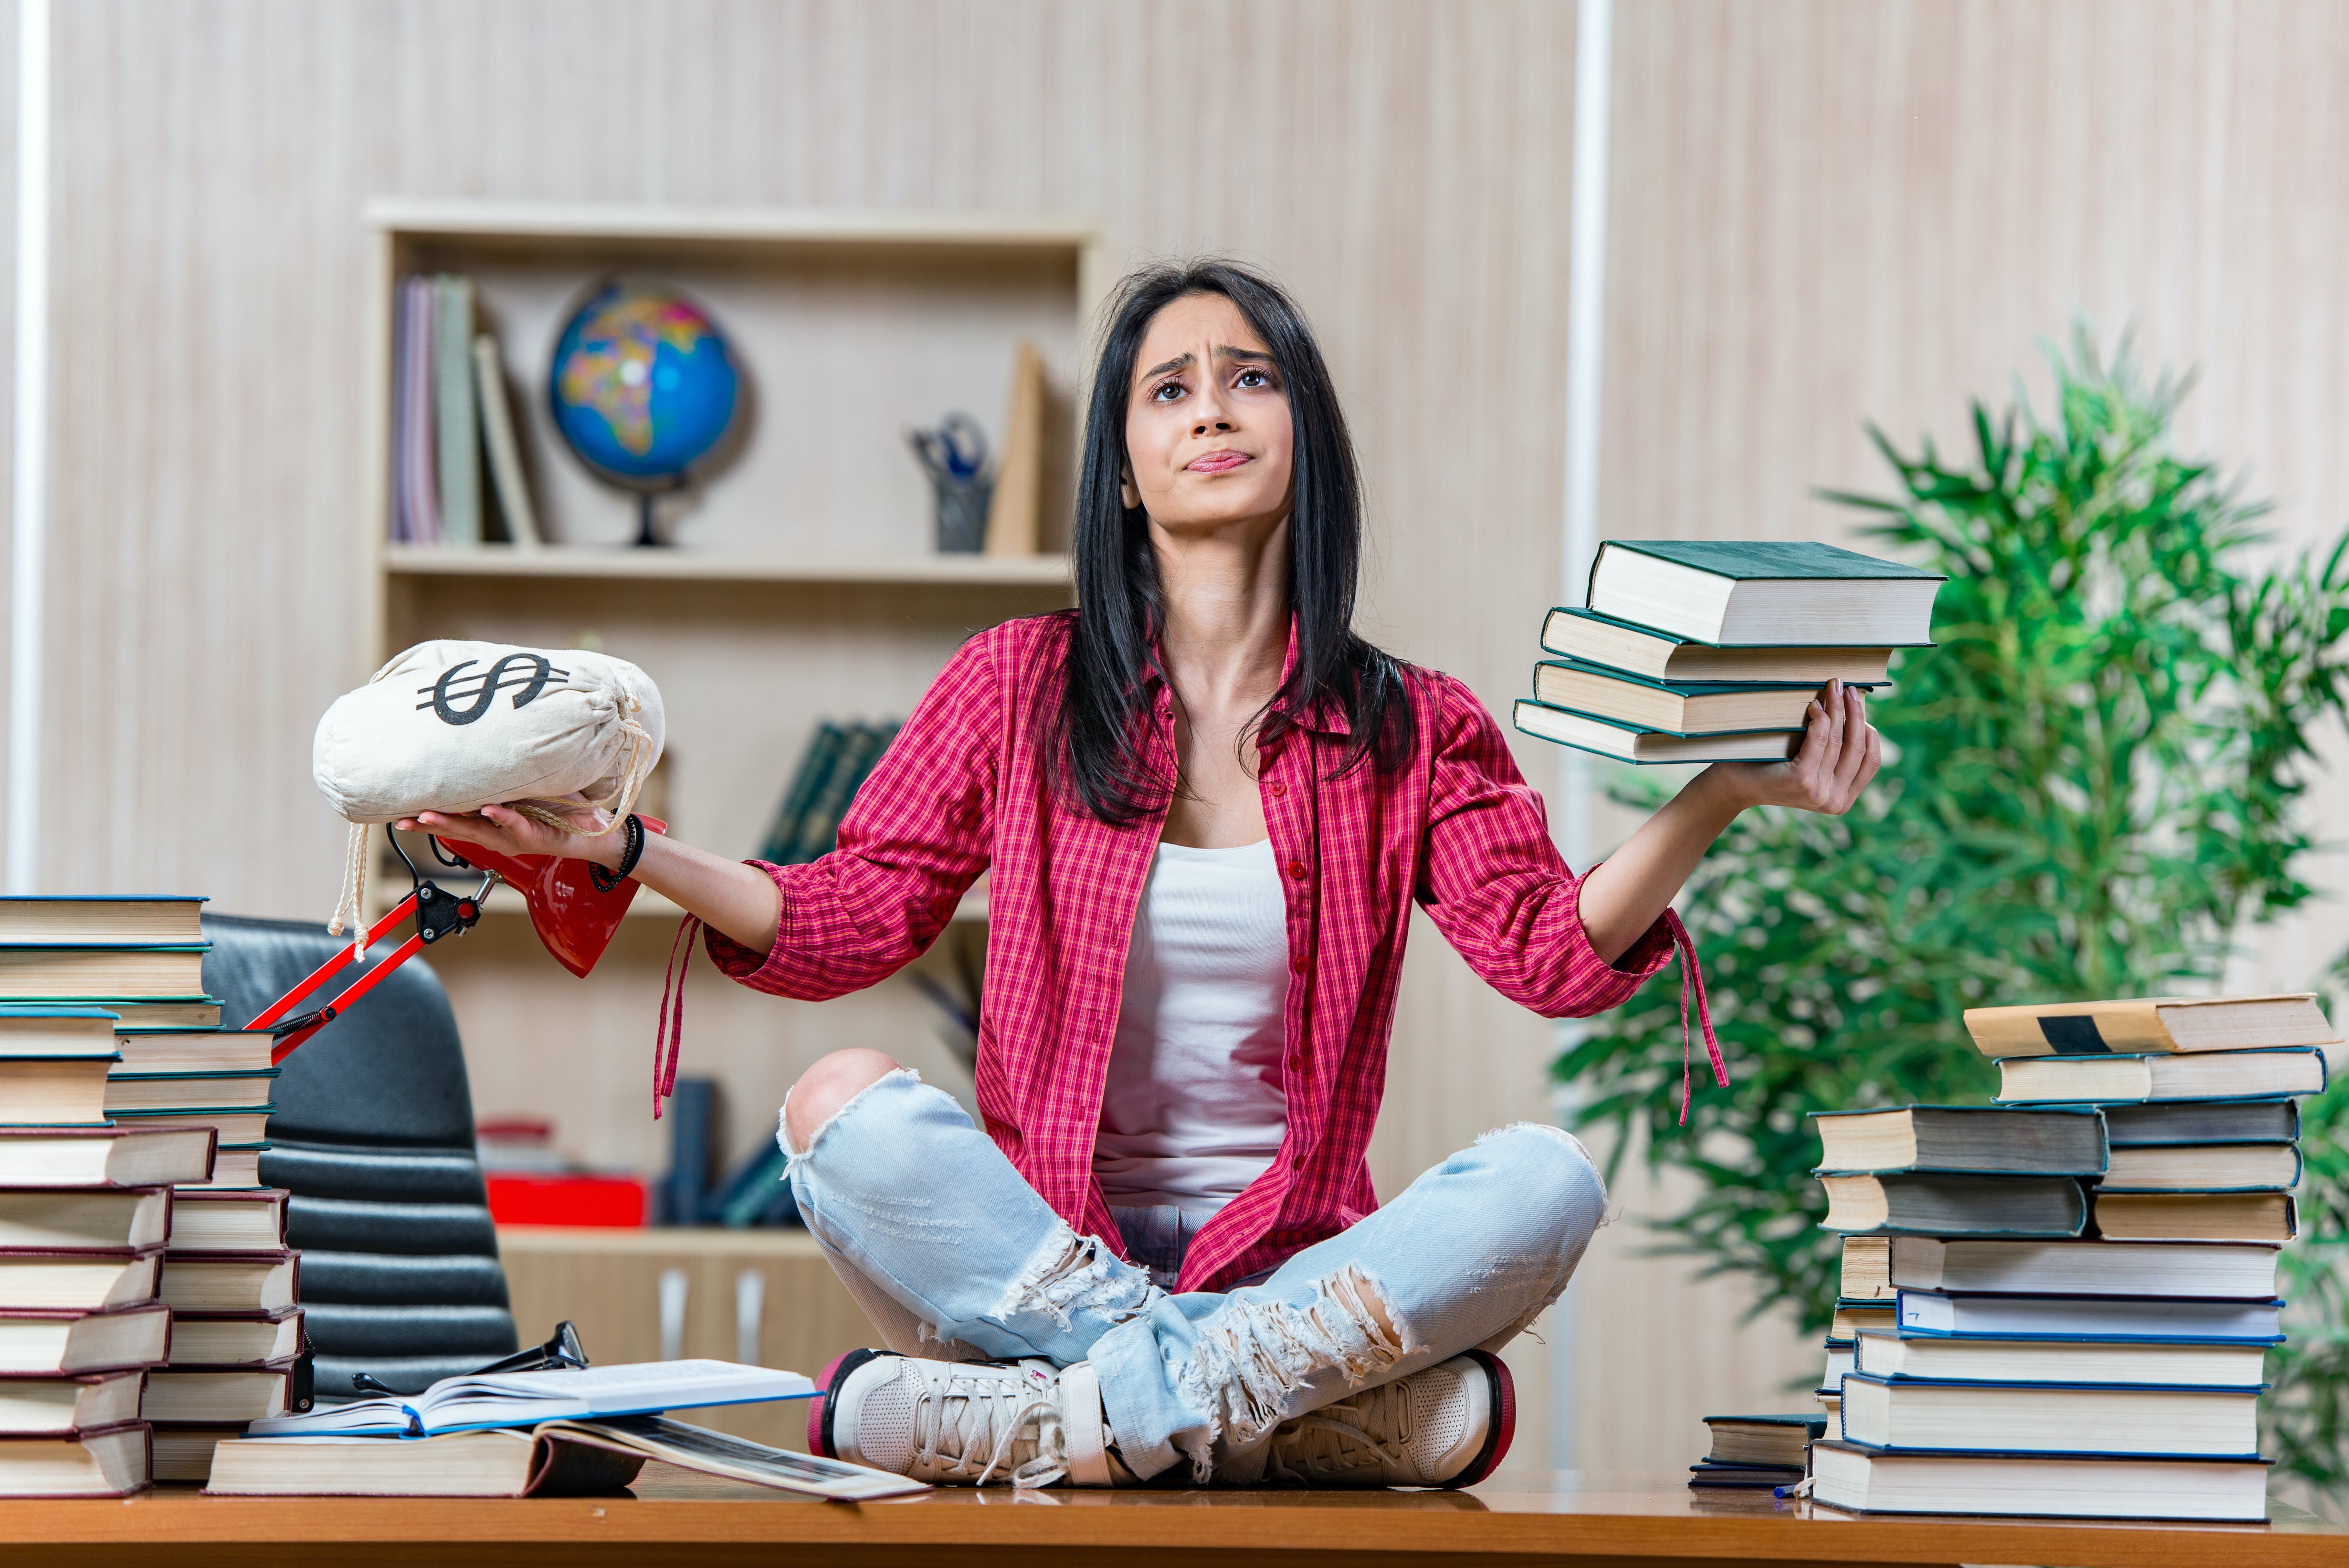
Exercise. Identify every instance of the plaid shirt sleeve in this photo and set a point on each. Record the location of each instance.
(1495, 885)
(911, 845)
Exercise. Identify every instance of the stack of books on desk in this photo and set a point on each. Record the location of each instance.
(2061, 1305)
(1712, 650)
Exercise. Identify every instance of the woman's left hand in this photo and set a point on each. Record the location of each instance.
(1841, 752)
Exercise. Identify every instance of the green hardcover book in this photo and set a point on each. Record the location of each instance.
(820, 830)
(1597, 639)
(815, 761)
(1764, 593)
(1986, 1139)
(1631, 743)
(1673, 707)
(1908, 1203)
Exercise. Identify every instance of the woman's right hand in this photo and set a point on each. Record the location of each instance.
(503, 831)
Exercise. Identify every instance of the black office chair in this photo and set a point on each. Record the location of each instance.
(374, 1137)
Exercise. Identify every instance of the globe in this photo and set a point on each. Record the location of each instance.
(643, 386)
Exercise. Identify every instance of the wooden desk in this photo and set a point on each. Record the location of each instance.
(1589, 1520)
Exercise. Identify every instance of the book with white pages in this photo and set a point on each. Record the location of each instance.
(2200, 1270)
(2088, 1317)
(2164, 1363)
(2203, 1168)
(1630, 743)
(2051, 1418)
(33, 1030)
(1858, 1480)
(2146, 1077)
(528, 1398)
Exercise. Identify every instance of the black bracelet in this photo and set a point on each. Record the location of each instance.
(605, 881)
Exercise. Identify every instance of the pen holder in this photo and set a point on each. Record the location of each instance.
(955, 456)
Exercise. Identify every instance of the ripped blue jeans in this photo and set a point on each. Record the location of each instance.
(952, 1254)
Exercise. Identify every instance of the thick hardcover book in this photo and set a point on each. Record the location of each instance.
(235, 1125)
(43, 1342)
(237, 1339)
(183, 1450)
(1640, 650)
(1627, 743)
(1862, 1480)
(1937, 1205)
(104, 1156)
(2215, 1075)
(1986, 1139)
(1965, 1315)
(61, 1407)
(1748, 593)
(151, 1016)
(1671, 707)
(1763, 1439)
(2181, 1123)
(242, 1052)
(138, 919)
(81, 973)
(185, 1392)
(54, 1091)
(2164, 1362)
(231, 1282)
(250, 1219)
(1744, 1478)
(108, 1463)
(63, 1030)
(1855, 1317)
(1867, 1270)
(79, 1281)
(2203, 1168)
(2047, 1418)
(2083, 1268)
(184, 1092)
(807, 781)
(2150, 1024)
(237, 1166)
(107, 1220)
(2197, 1216)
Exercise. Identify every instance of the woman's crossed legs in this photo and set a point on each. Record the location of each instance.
(953, 1255)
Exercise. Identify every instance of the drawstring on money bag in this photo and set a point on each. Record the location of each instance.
(1693, 984)
(668, 1036)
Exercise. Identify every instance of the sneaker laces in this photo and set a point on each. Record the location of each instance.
(1324, 1442)
(958, 1416)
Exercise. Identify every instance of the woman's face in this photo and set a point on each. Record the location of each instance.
(1208, 437)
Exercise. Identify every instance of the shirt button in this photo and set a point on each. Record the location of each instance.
(1297, 869)
(1280, 788)
(1296, 1062)
(1297, 965)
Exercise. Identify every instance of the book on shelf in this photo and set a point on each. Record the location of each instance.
(509, 482)
(2217, 1075)
(1628, 743)
(2082, 1268)
(1850, 1477)
(105, 1156)
(38, 1033)
(2184, 1123)
(2202, 1168)
(140, 920)
(231, 1282)
(1934, 1204)
(60, 1407)
(1773, 592)
(183, 1450)
(1855, 1318)
(84, 1279)
(1775, 1440)
(2043, 1417)
(107, 1463)
(838, 759)
(82, 973)
(238, 1052)
(237, 1125)
(2197, 1216)
(529, 1399)
(2140, 1025)
(169, 1091)
(456, 422)
(817, 760)
(2240, 1364)
(1963, 1316)
(45, 1341)
(141, 1016)
(1638, 650)
(239, 1220)
(552, 1459)
(54, 1091)
(185, 1391)
(1670, 707)
(1982, 1139)
(416, 480)
(65, 1220)
(1866, 1269)
(237, 1339)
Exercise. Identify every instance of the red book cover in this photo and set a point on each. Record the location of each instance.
(516, 1200)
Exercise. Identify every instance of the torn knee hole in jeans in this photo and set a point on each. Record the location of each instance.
(1072, 1273)
(1252, 1355)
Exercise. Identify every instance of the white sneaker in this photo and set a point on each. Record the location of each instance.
(1448, 1425)
(963, 1422)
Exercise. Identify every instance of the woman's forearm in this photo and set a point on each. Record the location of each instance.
(739, 899)
(1622, 897)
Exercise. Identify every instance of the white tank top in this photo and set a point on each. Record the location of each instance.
(1195, 1109)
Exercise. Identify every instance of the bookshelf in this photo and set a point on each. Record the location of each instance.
(803, 584)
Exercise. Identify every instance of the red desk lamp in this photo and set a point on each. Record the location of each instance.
(572, 917)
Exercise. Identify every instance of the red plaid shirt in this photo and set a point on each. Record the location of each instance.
(964, 789)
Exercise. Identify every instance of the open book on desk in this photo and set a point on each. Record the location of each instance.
(527, 1399)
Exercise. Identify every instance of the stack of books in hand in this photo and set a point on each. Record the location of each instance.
(2061, 1305)
(1712, 650)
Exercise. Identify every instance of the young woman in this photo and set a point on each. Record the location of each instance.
(1208, 807)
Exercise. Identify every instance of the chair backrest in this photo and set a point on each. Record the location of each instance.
(372, 1135)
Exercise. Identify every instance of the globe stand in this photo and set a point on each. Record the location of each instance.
(647, 536)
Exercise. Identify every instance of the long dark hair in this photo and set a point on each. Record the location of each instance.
(1096, 740)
